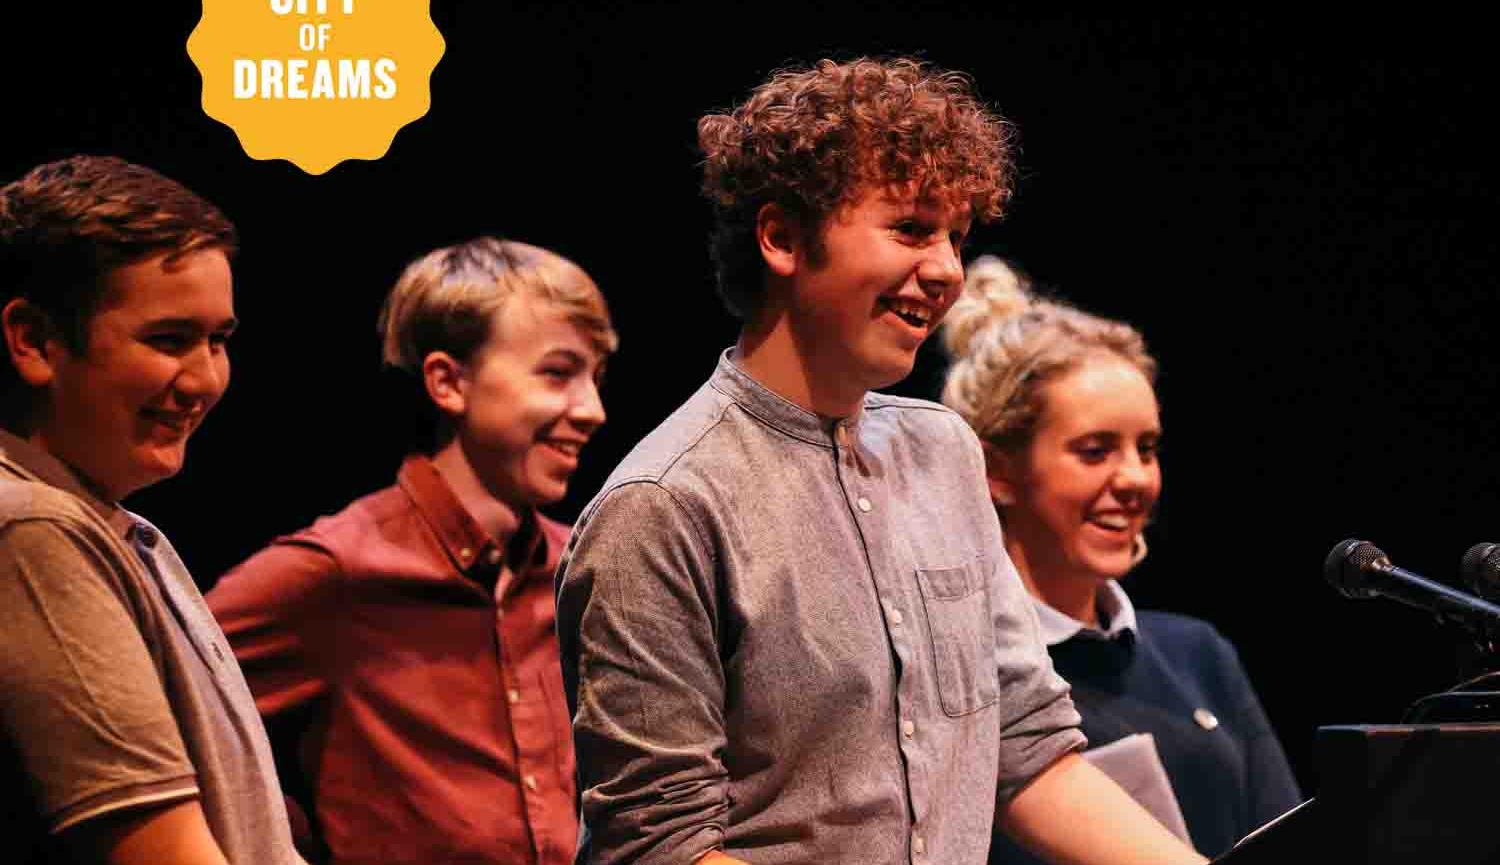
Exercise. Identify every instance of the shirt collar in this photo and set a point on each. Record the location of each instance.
(36, 464)
(1114, 606)
(472, 550)
(775, 410)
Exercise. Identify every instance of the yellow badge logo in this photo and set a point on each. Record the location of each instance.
(315, 81)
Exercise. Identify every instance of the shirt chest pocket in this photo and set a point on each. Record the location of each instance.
(962, 632)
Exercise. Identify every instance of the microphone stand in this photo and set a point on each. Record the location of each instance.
(1476, 699)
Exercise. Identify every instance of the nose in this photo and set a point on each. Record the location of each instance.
(587, 410)
(1136, 478)
(941, 270)
(204, 374)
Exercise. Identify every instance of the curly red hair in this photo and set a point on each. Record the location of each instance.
(814, 139)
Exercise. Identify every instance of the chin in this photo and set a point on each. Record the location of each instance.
(888, 374)
(1111, 570)
(542, 495)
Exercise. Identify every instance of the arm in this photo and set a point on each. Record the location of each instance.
(174, 834)
(638, 626)
(274, 608)
(1073, 814)
(82, 705)
(719, 857)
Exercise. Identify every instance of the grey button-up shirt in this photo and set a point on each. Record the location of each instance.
(801, 641)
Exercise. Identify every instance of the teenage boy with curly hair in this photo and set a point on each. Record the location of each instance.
(790, 632)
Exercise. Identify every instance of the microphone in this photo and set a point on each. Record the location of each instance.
(1358, 569)
(1481, 570)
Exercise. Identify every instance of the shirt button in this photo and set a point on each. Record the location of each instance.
(513, 696)
(864, 504)
(896, 617)
(146, 535)
(493, 555)
(530, 782)
(466, 554)
(908, 729)
(919, 845)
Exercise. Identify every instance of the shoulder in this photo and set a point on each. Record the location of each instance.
(681, 436)
(1191, 643)
(32, 500)
(913, 411)
(921, 421)
(333, 538)
(1179, 629)
(39, 520)
(296, 564)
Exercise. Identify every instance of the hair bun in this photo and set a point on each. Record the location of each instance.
(993, 292)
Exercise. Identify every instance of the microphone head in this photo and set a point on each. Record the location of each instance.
(1481, 570)
(1347, 567)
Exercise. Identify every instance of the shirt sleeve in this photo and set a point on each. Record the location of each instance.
(1038, 723)
(638, 626)
(81, 698)
(274, 608)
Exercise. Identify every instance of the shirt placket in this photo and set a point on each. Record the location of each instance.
(527, 709)
(870, 503)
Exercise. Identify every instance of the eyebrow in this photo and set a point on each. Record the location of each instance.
(230, 323)
(572, 354)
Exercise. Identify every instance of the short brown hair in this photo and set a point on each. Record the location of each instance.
(66, 225)
(1007, 344)
(447, 299)
(813, 139)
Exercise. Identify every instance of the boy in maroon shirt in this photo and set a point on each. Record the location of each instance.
(403, 651)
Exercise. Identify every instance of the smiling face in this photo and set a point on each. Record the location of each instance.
(862, 300)
(530, 401)
(1076, 498)
(120, 412)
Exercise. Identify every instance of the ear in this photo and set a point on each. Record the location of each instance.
(443, 376)
(1000, 472)
(778, 236)
(30, 338)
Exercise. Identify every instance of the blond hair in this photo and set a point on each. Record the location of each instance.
(447, 299)
(1006, 344)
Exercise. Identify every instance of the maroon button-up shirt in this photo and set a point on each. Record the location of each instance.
(419, 719)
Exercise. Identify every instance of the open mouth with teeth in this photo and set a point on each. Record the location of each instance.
(915, 314)
(1111, 522)
(566, 448)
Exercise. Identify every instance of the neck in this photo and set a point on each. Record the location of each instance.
(103, 492)
(784, 363)
(1074, 597)
(497, 518)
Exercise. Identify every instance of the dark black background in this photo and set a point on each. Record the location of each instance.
(1297, 212)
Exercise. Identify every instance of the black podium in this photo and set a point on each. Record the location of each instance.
(1427, 794)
